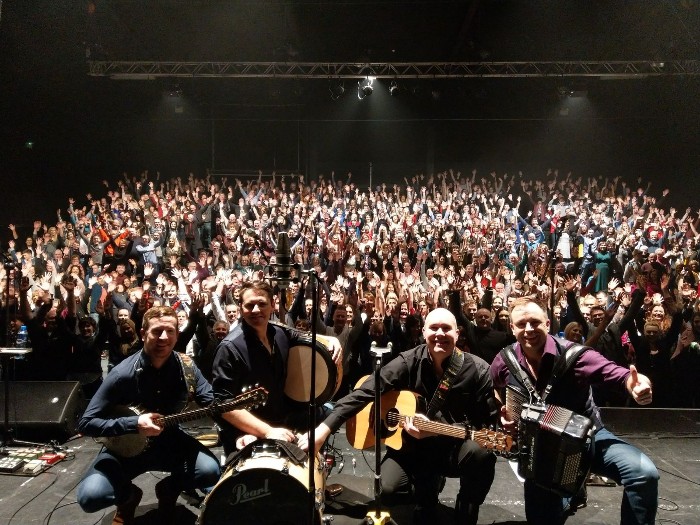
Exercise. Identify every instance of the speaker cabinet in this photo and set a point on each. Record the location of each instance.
(43, 411)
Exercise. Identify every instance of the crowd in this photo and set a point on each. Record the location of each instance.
(616, 266)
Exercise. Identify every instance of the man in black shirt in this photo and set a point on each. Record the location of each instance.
(483, 340)
(157, 380)
(256, 353)
(424, 457)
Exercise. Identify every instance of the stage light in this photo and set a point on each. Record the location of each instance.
(393, 88)
(365, 88)
(174, 91)
(337, 90)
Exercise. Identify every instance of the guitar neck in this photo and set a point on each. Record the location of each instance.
(191, 415)
(444, 429)
(490, 439)
(243, 401)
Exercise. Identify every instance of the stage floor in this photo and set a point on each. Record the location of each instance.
(670, 438)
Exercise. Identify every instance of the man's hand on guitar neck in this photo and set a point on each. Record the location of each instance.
(147, 426)
(510, 427)
(411, 423)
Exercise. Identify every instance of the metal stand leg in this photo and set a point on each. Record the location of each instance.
(378, 516)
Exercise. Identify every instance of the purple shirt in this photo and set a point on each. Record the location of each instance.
(591, 368)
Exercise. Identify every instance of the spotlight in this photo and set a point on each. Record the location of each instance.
(394, 89)
(337, 90)
(572, 92)
(175, 91)
(364, 87)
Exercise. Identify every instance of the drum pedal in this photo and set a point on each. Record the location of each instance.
(192, 498)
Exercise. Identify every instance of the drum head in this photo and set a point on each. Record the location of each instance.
(259, 496)
(298, 383)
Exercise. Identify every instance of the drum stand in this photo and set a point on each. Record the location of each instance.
(378, 516)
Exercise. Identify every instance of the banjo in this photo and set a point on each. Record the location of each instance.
(130, 445)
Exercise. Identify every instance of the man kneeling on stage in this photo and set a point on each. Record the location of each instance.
(460, 392)
(159, 382)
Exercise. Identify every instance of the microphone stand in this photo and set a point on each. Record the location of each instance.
(551, 270)
(378, 516)
(284, 264)
(6, 354)
(312, 392)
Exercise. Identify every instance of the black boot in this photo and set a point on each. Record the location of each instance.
(466, 513)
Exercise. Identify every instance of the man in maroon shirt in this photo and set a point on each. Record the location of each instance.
(536, 354)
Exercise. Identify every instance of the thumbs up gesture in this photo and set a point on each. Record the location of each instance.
(639, 386)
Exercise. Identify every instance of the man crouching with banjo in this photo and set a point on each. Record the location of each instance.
(160, 382)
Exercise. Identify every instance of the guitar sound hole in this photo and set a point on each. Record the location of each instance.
(393, 419)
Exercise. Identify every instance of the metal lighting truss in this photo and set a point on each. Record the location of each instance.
(619, 69)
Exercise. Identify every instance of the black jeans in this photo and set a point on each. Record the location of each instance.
(417, 470)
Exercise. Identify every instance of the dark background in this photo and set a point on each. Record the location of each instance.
(84, 129)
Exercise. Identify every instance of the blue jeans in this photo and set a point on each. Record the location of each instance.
(614, 459)
(107, 481)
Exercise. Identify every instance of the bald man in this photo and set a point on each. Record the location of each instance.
(417, 469)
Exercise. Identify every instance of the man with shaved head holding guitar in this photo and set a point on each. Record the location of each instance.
(459, 391)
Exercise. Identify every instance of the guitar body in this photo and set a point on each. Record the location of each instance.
(360, 429)
(396, 406)
(126, 445)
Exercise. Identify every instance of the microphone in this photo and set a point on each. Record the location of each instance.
(283, 261)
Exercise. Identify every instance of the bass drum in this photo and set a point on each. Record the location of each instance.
(267, 488)
(297, 385)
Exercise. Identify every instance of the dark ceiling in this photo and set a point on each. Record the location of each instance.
(47, 96)
(383, 30)
(45, 42)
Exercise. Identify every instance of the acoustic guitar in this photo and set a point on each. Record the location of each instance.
(399, 405)
(130, 445)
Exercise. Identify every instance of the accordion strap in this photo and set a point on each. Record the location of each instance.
(565, 361)
(508, 354)
(448, 378)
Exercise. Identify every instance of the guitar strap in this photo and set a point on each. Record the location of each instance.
(188, 371)
(446, 382)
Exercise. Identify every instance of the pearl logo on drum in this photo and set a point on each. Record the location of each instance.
(241, 494)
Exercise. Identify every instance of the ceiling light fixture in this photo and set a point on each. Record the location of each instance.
(337, 89)
(365, 88)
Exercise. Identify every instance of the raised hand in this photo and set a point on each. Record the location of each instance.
(639, 386)
(570, 283)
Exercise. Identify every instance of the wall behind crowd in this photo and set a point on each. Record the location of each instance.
(657, 151)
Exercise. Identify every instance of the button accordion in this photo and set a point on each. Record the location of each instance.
(554, 444)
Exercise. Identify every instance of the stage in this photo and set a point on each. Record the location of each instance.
(669, 437)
